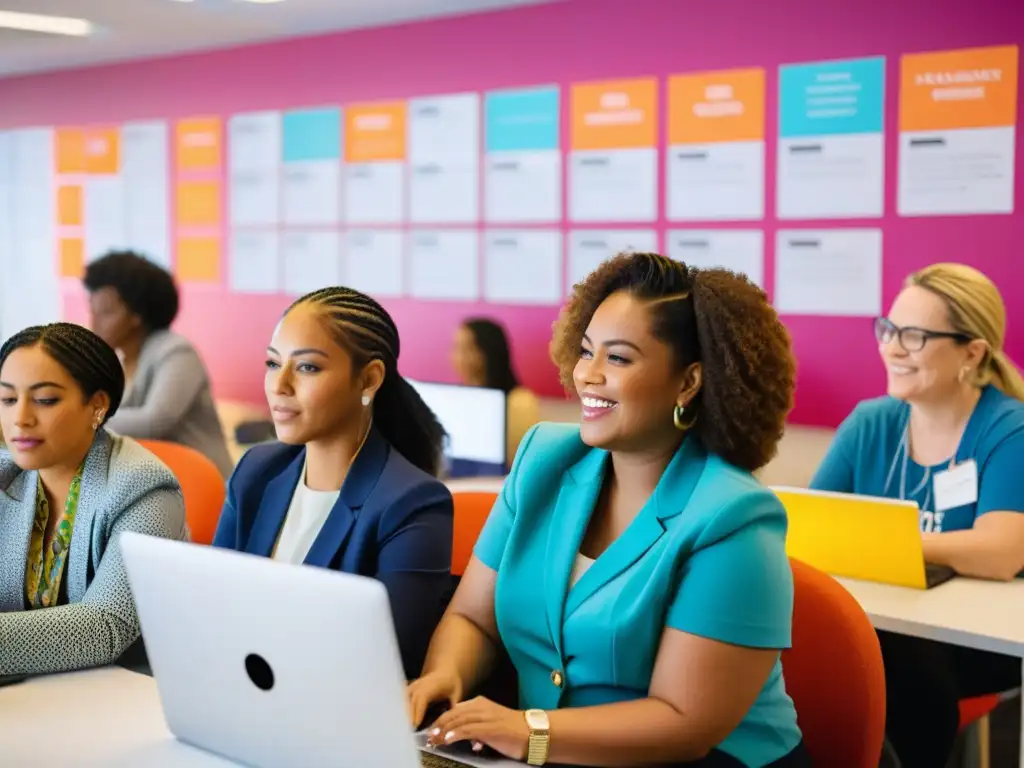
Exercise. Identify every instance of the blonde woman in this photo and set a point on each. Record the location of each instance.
(950, 436)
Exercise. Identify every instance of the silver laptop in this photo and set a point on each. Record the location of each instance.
(274, 665)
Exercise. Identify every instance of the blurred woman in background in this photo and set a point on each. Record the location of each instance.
(482, 358)
(132, 303)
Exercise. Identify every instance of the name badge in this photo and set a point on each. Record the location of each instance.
(956, 487)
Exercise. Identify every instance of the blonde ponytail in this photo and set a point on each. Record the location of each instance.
(1006, 376)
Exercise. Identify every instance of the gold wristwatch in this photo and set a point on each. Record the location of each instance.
(540, 736)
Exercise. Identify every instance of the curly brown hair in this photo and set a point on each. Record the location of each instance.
(711, 316)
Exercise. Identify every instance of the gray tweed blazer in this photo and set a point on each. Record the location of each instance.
(124, 488)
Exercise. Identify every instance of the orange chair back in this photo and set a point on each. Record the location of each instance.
(201, 484)
(471, 511)
(834, 673)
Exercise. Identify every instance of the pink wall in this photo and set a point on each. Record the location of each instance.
(571, 41)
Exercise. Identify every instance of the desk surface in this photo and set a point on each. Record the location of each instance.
(101, 702)
(968, 612)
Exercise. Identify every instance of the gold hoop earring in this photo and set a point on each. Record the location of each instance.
(677, 419)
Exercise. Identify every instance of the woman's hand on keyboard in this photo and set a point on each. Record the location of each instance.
(483, 723)
(439, 686)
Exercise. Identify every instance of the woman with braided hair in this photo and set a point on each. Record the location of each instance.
(68, 489)
(352, 484)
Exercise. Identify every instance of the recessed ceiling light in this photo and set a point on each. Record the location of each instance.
(262, 2)
(51, 25)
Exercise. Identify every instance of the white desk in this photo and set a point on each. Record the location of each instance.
(108, 718)
(970, 613)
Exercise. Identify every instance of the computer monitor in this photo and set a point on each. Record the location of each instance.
(475, 420)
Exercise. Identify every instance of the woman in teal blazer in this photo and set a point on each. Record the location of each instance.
(633, 568)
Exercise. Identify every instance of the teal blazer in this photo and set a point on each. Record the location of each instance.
(706, 555)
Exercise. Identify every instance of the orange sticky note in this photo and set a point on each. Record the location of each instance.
(198, 259)
(713, 107)
(375, 132)
(69, 150)
(197, 143)
(72, 257)
(198, 203)
(968, 88)
(616, 114)
(103, 150)
(69, 205)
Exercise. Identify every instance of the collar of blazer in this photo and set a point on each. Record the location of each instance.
(362, 478)
(17, 511)
(574, 507)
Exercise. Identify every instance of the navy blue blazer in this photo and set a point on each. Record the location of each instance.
(392, 522)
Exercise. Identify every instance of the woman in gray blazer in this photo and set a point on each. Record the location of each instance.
(133, 302)
(68, 488)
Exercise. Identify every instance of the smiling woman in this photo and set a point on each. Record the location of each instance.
(633, 568)
(351, 485)
(949, 436)
(68, 488)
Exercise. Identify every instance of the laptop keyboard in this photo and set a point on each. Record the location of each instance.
(434, 760)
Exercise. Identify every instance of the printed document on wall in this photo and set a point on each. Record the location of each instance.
(255, 264)
(831, 155)
(33, 219)
(715, 159)
(254, 162)
(523, 177)
(375, 155)
(444, 265)
(836, 272)
(444, 159)
(613, 162)
(958, 131)
(105, 205)
(523, 267)
(310, 260)
(311, 173)
(740, 250)
(374, 262)
(588, 248)
(146, 172)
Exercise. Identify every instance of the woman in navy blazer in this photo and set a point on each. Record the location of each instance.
(352, 484)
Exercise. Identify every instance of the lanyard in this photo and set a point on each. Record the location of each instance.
(902, 457)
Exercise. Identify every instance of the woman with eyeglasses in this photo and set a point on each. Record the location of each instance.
(949, 436)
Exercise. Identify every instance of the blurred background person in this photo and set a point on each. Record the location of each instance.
(481, 357)
(132, 303)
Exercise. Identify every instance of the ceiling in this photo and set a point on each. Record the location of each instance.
(132, 29)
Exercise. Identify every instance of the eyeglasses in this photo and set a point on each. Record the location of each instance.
(913, 339)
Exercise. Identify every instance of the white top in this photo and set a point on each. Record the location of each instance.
(307, 514)
(581, 566)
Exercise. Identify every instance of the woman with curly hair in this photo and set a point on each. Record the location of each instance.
(633, 568)
(132, 303)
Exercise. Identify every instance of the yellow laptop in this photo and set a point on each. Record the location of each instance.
(860, 537)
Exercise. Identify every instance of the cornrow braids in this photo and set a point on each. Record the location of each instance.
(89, 360)
(364, 329)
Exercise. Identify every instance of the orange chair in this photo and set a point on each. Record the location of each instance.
(201, 483)
(471, 511)
(834, 673)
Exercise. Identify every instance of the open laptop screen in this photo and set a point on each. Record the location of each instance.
(475, 420)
